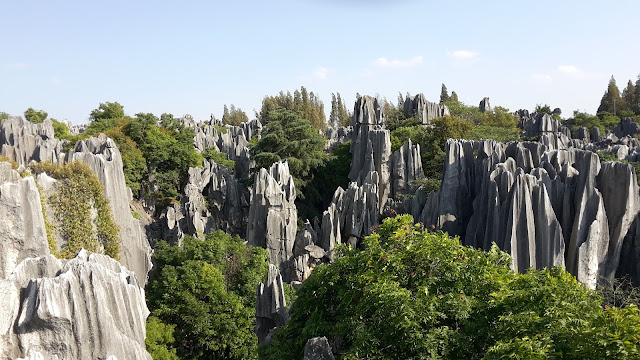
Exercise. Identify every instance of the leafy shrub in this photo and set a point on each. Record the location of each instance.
(211, 154)
(413, 294)
(206, 290)
(78, 191)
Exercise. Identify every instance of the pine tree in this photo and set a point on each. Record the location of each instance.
(611, 99)
(344, 117)
(444, 94)
(628, 95)
(333, 116)
(225, 115)
(636, 98)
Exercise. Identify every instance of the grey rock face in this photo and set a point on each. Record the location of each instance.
(318, 348)
(582, 134)
(351, 215)
(537, 124)
(424, 109)
(103, 157)
(595, 135)
(22, 234)
(367, 111)
(485, 106)
(545, 207)
(273, 215)
(406, 168)
(336, 136)
(89, 307)
(627, 127)
(23, 141)
(271, 307)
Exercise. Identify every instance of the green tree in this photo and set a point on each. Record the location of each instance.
(454, 97)
(339, 115)
(414, 294)
(234, 116)
(611, 99)
(35, 116)
(108, 110)
(628, 97)
(3, 115)
(444, 94)
(290, 137)
(636, 97)
(306, 104)
(205, 290)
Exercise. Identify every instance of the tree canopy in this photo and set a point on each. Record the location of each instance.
(107, 110)
(288, 136)
(414, 294)
(306, 104)
(35, 116)
(233, 116)
(339, 115)
(202, 295)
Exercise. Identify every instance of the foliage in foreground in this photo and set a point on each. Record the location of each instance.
(78, 192)
(412, 294)
(202, 298)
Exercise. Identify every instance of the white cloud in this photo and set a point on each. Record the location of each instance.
(569, 69)
(321, 72)
(396, 64)
(463, 55)
(541, 78)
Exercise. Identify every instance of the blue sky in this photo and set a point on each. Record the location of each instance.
(192, 57)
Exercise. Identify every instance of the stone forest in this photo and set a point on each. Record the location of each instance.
(405, 230)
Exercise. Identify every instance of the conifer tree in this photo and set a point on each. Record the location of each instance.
(611, 99)
(628, 97)
(636, 97)
(444, 94)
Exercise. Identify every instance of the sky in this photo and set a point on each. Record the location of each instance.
(193, 57)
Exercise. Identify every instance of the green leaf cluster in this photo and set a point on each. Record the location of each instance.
(212, 154)
(234, 116)
(287, 136)
(205, 292)
(414, 294)
(79, 192)
(306, 104)
(35, 116)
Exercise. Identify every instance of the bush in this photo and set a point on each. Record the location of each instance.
(206, 290)
(413, 294)
(78, 191)
(211, 154)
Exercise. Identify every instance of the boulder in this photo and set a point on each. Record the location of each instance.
(318, 348)
(485, 106)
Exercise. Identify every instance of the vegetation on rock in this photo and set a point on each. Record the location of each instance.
(82, 212)
(413, 294)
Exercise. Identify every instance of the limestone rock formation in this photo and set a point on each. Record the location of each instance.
(424, 109)
(273, 215)
(351, 215)
(22, 234)
(318, 348)
(537, 124)
(271, 306)
(89, 307)
(23, 141)
(103, 157)
(406, 168)
(627, 127)
(336, 136)
(485, 106)
(544, 206)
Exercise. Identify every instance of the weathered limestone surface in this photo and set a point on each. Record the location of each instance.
(336, 136)
(351, 215)
(424, 109)
(271, 306)
(103, 157)
(544, 206)
(273, 215)
(22, 233)
(537, 124)
(89, 307)
(23, 141)
(318, 348)
(627, 127)
(406, 167)
(485, 106)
